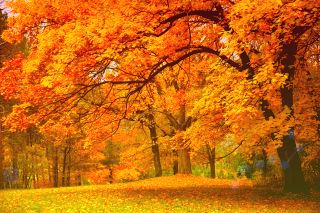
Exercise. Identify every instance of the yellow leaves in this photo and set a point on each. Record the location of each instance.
(47, 82)
(75, 38)
(267, 74)
(86, 144)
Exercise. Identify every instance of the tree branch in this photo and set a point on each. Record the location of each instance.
(219, 158)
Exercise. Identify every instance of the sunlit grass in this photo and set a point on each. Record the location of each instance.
(165, 194)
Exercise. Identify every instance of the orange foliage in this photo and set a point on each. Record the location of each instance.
(107, 60)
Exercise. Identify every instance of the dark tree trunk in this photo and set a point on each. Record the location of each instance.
(15, 169)
(110, 175)
(50, 170)
(291, 165)
(156, 160)
(55, 169)
(290, 161)
(79, 180)
(265, 162)
(69, 167)
(26, 172)
(64, 166)
(25, 178)
(212, 161)
(184, 162)
(32, 138)
(155, 146)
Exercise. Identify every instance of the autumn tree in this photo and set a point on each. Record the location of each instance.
(121, 47)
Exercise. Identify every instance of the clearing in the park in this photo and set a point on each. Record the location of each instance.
(159, 106)
(164, 194)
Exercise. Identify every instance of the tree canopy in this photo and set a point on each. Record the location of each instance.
(206, 69)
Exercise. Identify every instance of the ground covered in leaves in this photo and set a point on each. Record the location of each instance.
(165, 194)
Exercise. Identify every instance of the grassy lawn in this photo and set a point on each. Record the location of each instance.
(165, 194)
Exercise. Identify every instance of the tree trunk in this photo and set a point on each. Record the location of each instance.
(64, 165)
(156, 160)
(26, 172)
(183, 154)
(110, 175)
(15, 169)
(175, 162)
(55, 169)
(290, 161)
(265, 162)
(49, 169)
(69, 167)
(212, 160)
(291, 165)
(79, 180)
(155, 146)
(184, 162)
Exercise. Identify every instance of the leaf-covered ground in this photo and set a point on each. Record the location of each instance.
(165, 194)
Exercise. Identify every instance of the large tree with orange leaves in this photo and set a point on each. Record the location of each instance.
(115, 49)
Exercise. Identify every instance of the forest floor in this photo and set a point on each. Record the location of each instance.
(164, 194)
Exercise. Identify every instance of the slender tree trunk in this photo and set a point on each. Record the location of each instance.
(79, 180)
(184, 162)
(30, 163)
(55, 169)
(25, 178)
(69, 167)
(15, 169)
(32, 174)
(212, 160)
(26, 172)
(265, 162)
(290, 161)
(110, 175)
(155, 146)
(175, 162)
(64, 165)
(43, 177)
(49, 165)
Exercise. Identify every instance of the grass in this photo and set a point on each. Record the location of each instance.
(164, 194)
